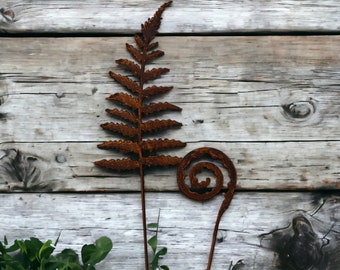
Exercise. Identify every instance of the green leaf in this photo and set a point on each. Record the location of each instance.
(32, 248)
(50, 264)
(164, 267)
(152, 225)
(10, 264)
(94, 253)
(20, 261)
(71, 266)
(2, 248)
(13, 247)
(89, 268)
(68, 255)
(154, 263)
(46, 250)
(88, 253)
(162, 251)
(21, 244)
(153, 243)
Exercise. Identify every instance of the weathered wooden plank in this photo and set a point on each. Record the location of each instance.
(271, 103)
(191, 16)
(47, 117)
(69, 167)
(230, 88)
(185, 230)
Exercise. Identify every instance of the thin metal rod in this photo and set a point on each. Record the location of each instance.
(145, 236)
(213, 241)
(140, 158)
(224, 206)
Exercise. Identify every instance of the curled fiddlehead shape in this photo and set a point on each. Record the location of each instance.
(202, 190)
(193, 188)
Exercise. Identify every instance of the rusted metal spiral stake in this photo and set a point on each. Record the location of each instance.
(201, 190)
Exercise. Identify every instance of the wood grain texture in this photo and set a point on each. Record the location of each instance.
(185, 230)
(279, 166)
(261, 88)
(271, 103)
(191, 16)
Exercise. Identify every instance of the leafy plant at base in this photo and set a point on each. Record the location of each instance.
(33, 254)
(142, 153)
(153, 243)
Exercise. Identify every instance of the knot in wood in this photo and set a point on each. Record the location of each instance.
(7, 15)
(3, 99)
(194, 163)
(304, 249)
(299, 110)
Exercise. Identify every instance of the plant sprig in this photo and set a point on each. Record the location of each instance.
(153, 243)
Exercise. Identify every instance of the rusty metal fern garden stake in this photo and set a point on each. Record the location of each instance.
(133, 126)
(136, 107)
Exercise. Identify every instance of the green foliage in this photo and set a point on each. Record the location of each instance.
(153, 243)
(34, 254)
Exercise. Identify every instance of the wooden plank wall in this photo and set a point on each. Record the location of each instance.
(259, 80)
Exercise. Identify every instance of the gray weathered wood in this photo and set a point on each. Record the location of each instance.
(185, 230)
(271, 103)
(77, 117)
(240, 88)
(190, 16)
(69, 167)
